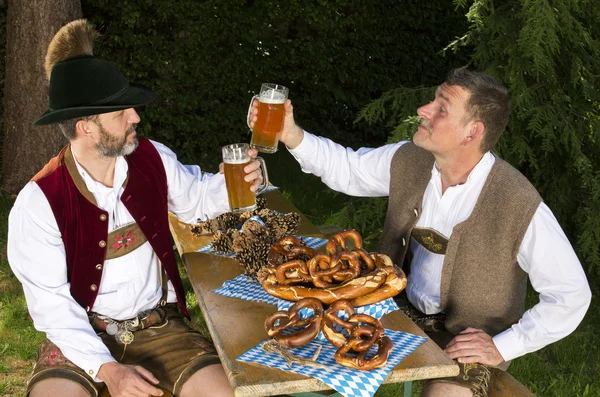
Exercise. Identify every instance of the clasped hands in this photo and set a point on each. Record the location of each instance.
(473, 345)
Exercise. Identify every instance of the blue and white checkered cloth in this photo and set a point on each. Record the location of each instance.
(346, 381)
(313, 242)
(269, 188)
(244, 287)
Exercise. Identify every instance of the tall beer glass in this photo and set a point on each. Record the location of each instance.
(270, 116)
(235, 158)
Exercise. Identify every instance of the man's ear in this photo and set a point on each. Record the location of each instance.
(82, 128)
(476, 131)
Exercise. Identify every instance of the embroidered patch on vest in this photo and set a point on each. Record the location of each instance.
(431, 240)
(124, 240)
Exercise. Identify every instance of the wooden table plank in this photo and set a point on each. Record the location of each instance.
(237, 325)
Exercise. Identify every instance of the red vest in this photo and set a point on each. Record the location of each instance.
(84, 226)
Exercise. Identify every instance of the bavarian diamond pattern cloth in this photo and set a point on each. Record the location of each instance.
(313, 242)
(244, 287)
(346, 381)
(269, 188)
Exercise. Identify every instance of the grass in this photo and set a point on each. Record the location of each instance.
(568, 368)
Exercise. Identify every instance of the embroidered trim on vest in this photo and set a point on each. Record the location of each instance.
(124, 240)
(432, 240)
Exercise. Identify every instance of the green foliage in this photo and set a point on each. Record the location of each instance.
(548, 54)
(206, 59)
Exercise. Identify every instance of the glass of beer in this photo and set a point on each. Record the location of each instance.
(235, 158)
(270, 116)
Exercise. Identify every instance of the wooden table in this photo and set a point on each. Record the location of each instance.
(236, 325)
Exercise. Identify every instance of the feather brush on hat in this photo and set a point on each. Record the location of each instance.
(74, 39)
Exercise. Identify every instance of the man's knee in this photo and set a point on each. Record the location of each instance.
(208, 381)
(57, 387)
(443, 389)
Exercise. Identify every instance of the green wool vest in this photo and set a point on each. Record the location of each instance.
(482, 284)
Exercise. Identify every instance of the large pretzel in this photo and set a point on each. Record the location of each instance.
(339, 240)
(279, 324)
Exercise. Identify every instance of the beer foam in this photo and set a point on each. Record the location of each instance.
(236, 161)
(272, 96)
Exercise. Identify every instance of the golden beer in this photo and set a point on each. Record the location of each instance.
(241, 198)
(235, 158)
(270, 117)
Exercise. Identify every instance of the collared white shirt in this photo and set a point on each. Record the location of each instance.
(130, 283)
(545, 252)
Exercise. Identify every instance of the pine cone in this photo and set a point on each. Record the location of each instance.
(222, 242)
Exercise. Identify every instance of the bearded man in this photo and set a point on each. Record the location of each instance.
(89, 240)
(466, 226)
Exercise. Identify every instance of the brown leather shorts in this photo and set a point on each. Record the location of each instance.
(479, 378)
(171, 351)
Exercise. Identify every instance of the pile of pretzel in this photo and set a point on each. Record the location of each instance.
(295, 271)
(353, 338)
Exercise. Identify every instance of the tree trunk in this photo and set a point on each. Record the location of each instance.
(30, 25)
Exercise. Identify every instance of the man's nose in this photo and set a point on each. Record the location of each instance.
(424, 111)
(132, 116)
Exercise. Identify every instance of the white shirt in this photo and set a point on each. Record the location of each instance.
(130, 283)
(545, 252)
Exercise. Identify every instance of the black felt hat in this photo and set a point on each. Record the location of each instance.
(85, 85)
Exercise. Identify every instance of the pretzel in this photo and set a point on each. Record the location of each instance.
(283, 320)
(360, 362)
(365, 285)
(368, 262)
(339, 240)
(350, 265)
(292, 272)
(288, 248)
(321, 270)
(331, 319)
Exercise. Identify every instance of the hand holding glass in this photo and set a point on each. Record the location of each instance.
(235, 159)
(270, 117)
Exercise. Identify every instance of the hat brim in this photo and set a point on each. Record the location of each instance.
(136, 95)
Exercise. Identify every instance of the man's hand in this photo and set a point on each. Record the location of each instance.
(128, 380)
(252, 170)
(291, 135)
(474, 346)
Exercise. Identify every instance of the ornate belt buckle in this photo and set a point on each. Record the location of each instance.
(124, 336)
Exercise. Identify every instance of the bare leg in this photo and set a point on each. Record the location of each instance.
(57, 387)
(210, 381)
(446, 390)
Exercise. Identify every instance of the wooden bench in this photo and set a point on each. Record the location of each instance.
(507, 386)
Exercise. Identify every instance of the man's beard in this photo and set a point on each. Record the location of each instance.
(111, 146)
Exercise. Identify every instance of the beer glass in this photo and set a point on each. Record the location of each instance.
(270, 116)
(235, 158)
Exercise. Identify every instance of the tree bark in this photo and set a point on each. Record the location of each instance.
(30, 26)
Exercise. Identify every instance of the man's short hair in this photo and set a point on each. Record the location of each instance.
(489, 102)
(68, 126)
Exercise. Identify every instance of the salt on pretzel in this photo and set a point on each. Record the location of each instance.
(276, 324)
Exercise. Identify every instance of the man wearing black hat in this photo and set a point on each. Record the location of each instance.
(89, 240)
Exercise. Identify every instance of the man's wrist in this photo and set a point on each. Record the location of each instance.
(106, 368)
(296, 138)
